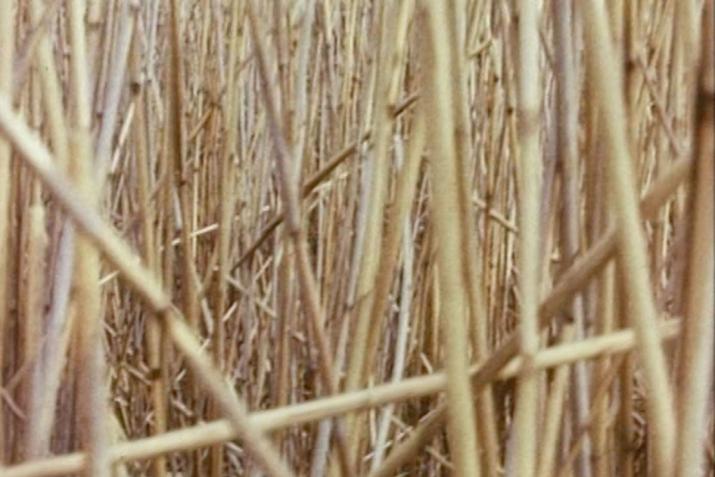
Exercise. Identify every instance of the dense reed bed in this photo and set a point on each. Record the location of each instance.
(353, 237)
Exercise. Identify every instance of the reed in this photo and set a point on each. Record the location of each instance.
(356, 238)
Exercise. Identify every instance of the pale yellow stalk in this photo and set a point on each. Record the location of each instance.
(446, 217)
(527, 401)
(607, 93)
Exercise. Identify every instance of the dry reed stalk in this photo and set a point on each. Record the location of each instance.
(400, 347)
(696, 358)
(226, 197)
(486, 419)
(601, 432)
(183, 141)
(604, 291)
(631, 240)
(444, 169)
(397, 229)
(527, 405)
(372, 202)
(7, 50)
(115, 251)
(176, 152)
(156, 361)
(601, 391)
(315, 180)
(554, 411)
(372, 198)
(567, 153)
(626, 428)
(376, 273)
(206, 434)
(571, 281)
(291, 202)
(228, 402)
(46, 373)
(118, 254)
(114, 87)
(90, 354)
(35, 296)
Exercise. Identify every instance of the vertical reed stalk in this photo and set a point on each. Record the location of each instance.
(7, 49)
(444, 169)
(513, 292)
(92, 418)
(527, 410)
(696, 359)
(154, 338)
(632, 246)
(291, 202)
(567, 154)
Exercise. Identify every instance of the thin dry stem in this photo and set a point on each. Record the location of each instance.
(632, 245)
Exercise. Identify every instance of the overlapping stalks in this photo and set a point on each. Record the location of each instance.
(356, 238)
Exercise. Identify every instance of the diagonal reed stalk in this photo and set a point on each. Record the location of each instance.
(218, 431)
(487, 283)
(142, 280)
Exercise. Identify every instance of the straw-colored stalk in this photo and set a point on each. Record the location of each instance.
(571, 281)
(371, 306)
(297, 414)
(478, 324)
(156, 360)
(447, 223)
(604, 66)
(176, 152)
(696, 358)
(291, 203)
(177, 120)
(397, 228)
(527, 404)
(118, 254)
(50, 356)
(35, 296)
(92, 419)
(566, 131)
(7, 49)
